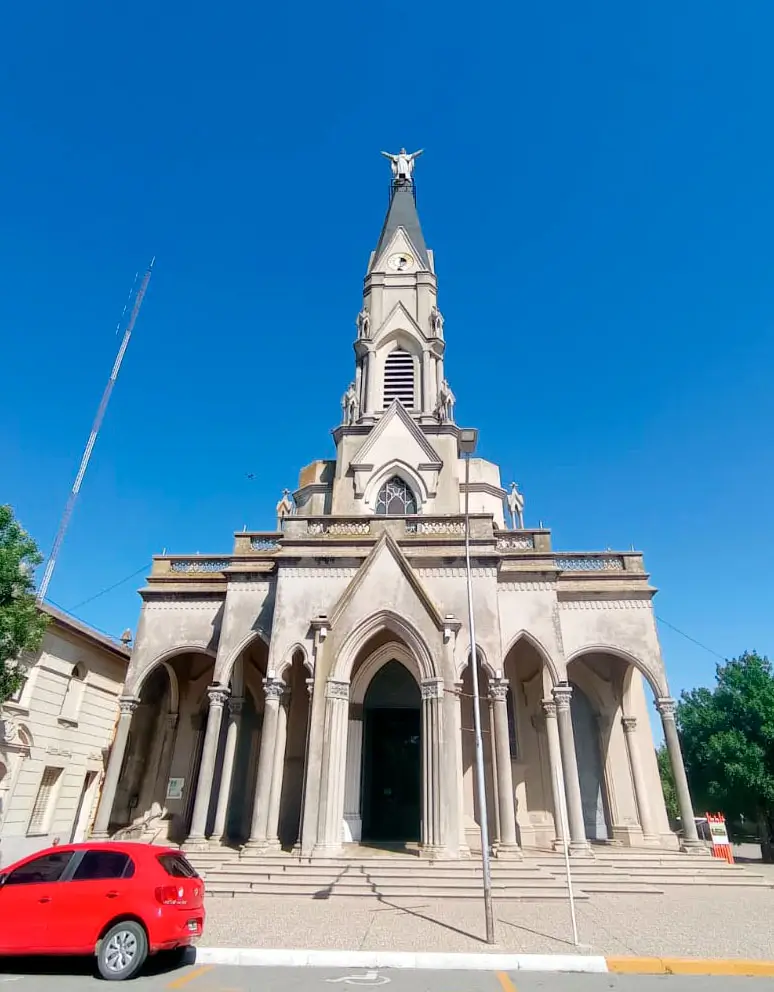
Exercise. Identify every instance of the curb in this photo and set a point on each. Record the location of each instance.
(690, 966)
(258, 957)
(588, 963)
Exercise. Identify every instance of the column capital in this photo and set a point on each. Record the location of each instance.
(336, 690)
(431, 688)
(128, 704)
(498, 690)
(666, 706)
(273, 688)
(562, 695)
(235, 705)
(549, 708)
(218, 694)
(629, 724)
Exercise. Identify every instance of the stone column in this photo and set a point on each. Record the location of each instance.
(218, 695)
(495, 838)
(115, 762)
(555, 765)
(273, 689)
(278, 774)
(352, 814)
(509, 845)
(331, 810)
(649, 832)
(370, 370)
(227, 773)
(690, 842)
(359, 383)
(432, 806)
(456, 729)
(427, 399)
(579, 846)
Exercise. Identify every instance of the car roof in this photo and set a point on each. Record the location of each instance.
(132, 848)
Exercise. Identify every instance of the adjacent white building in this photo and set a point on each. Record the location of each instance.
(55, 735)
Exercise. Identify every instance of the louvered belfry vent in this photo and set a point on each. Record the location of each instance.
(399, 378)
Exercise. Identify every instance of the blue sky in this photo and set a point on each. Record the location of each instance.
(598, 189)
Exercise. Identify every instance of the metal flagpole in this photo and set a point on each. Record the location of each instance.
(566, 850)
(467, 445)
(60, 535)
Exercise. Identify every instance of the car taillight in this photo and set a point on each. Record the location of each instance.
(171, 895)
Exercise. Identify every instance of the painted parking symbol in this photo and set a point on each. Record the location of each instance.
(371, 978)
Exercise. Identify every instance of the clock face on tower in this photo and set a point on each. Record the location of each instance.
(400, 262)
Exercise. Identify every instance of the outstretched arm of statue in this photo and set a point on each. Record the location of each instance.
(390, 157)
(414, 155)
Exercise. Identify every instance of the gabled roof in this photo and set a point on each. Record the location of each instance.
(397, 409)
(387, 545)
(402, 212)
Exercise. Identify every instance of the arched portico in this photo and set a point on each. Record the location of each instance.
(362, 729)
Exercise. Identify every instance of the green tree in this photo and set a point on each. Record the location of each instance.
(728, 743)
(667, 783)
(21, 622)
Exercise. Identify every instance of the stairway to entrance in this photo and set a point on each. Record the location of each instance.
(540, 875)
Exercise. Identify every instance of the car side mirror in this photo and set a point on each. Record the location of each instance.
(2, 880)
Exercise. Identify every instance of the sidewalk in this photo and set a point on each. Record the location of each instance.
(701, 921)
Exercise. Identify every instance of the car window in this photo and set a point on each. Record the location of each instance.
(177, 866)
(49, 868)
(103, 864)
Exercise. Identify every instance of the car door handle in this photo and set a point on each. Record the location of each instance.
(45, 899)
(112, 894)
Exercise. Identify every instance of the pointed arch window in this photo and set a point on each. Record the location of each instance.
(399, 378)
(76, 685)
(396, 499)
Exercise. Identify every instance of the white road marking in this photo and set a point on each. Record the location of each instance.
(370, 978)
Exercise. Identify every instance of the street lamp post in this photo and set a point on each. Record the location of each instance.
(467, 443)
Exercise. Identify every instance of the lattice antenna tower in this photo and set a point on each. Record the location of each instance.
(64, 523)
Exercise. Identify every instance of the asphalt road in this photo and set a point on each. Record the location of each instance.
(42, 975)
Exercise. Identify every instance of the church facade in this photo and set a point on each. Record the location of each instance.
(312, 689)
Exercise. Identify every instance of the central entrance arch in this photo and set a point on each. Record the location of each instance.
(392, 748)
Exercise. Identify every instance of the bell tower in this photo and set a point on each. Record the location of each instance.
(399, 347)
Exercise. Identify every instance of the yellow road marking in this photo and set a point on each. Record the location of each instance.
(189, 976)
(690, 966)
(505, 981)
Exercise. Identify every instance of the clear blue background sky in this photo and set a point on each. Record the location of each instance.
(597, 187)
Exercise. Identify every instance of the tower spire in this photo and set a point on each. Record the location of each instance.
(402, 211)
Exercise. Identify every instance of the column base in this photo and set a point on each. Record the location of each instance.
(99, 835)
(557, 844)
(580, 849)
(694, 847)
(435, 852)
(197, 844)
(253, 847)
(327, 851)
(651, 840)
(508, 852)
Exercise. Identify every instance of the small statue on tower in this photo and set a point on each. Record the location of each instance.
(363, 323)
(444, 408)
(516, 507)
(436, 322)
(350, 406)
(402, 165)
(285, 508)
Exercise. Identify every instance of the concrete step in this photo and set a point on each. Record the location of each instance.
(372, 882)
(393, 892)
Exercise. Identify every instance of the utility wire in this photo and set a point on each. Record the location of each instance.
(115, 585)
(51, 602)
(688, 637)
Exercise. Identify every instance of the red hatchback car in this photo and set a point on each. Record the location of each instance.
(118, 901)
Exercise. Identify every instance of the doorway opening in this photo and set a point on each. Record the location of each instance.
(392, 757)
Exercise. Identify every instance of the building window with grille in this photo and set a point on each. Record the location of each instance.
(76, 687)
(42, 811)
(396, 499)
(399, 378)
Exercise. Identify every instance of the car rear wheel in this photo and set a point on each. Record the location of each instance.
(122, 951)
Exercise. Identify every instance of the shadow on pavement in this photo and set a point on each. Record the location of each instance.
(158, 964)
